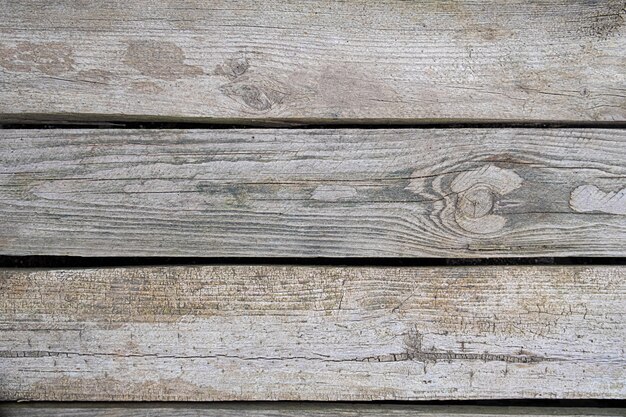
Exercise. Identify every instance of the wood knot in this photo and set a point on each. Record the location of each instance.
(256, 97)
(477, 193)
(476, 202)
(254, 90)
(233, 68)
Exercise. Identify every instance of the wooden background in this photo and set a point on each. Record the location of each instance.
(318, 60)
(267, 143)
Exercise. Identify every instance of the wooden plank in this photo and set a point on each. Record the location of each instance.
(292, 409)
(312, 333)
(324, 60)
(312, 193)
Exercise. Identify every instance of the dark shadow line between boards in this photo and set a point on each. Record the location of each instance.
(44, 261)
(295, 124)
(531, 403)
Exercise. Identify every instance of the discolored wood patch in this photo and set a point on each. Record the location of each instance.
(50, 58)
(158, 59)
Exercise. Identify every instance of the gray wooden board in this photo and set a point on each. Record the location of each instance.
(292, 409)
(226, 60)
(310, 193)
(312, 333)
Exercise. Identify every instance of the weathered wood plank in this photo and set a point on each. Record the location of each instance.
(321, 60)
(272, 192)
(292, 409)
(313, 333)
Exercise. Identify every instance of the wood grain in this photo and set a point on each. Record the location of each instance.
(324, 60)
(312, 333)
(296, 409)
(314, 193)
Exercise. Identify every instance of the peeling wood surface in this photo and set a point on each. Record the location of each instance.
(314, 60)
(309, 193)
(295, 409)
(312, 333)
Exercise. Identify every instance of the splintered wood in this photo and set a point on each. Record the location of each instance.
(312, 333)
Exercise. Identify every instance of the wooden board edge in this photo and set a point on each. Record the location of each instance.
(278, 409)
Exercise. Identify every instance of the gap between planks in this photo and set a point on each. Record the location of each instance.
(107, 262)
(42, 121)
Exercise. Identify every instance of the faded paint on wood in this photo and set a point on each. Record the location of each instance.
(346, 192)
(313, 333)
(296, 409)
(317, 60)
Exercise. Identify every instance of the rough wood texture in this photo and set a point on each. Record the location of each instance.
(297, 409)
(313, 60)
(313, 333)
(269, 192)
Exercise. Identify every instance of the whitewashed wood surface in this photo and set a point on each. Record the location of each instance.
(226, 60)
(314, 192)
(313, 333)
(292, 409)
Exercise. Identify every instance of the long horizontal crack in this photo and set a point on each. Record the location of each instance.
(451, 356)
(389, 357)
